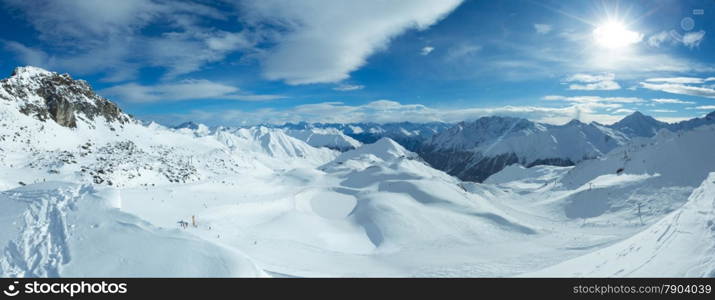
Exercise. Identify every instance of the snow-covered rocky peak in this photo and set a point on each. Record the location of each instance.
(467, 135)
(638, 124)
(28, 72)
(195, 128)
(325, 137)
(273, 142)
(384, 150)
(48, 95)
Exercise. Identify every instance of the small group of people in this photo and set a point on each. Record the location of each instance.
(185, 224)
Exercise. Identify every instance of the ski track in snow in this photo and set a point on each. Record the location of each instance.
(41, 249)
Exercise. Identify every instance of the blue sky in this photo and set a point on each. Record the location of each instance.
(246, 62)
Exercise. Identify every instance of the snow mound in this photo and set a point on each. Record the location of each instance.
(65, 230)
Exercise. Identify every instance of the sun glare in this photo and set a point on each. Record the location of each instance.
(615, 35)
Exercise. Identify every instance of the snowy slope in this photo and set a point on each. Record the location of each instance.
(106, 146)
(65, 230)
(682, 244)
(683, 158)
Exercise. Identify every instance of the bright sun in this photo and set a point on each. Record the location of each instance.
(615, 35)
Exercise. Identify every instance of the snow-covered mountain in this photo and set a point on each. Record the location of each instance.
(639, 125)
(55, 128)
(409, 135)
(47, 95)
(325, 137)
(105, 195)
(474, 150)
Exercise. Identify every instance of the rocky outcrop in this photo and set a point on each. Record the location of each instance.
(52, 96)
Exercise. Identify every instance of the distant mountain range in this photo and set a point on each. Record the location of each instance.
(474, 150)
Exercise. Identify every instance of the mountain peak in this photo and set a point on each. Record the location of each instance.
(636, 114)
(638, 124)
(188, 124)
(384, 149)
(575, 122)
(30, 71)
(49, 95)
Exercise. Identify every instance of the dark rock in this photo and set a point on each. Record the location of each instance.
(64, 99)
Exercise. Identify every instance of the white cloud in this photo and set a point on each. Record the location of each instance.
(190, 89)
(95, 36)
(426, 50)
(382, 111)
(659, 38)
(677, 79)
(604, 81)
(624, 111)
(542, 28)
(693, 39)
(461, 51)
(690, 39)
(323, 41)
(593, 99)
(682, 89)
(603, 85)
(663, 110)
(705, 107)
(671, 101)
(590, 77)
(348, 87)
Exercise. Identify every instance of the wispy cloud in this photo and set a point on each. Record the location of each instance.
(542, 28)
(693, 39)
(671, 101)
(659, 38)
(684, 80)
(324, 41)
(191, 89)
(106, 36)
(681, 89)
(382, 111)
(426, 50)
(690, 39)
(591, 82)
(593, 99)
(348, 87)
(461, 51)
(299, 42)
